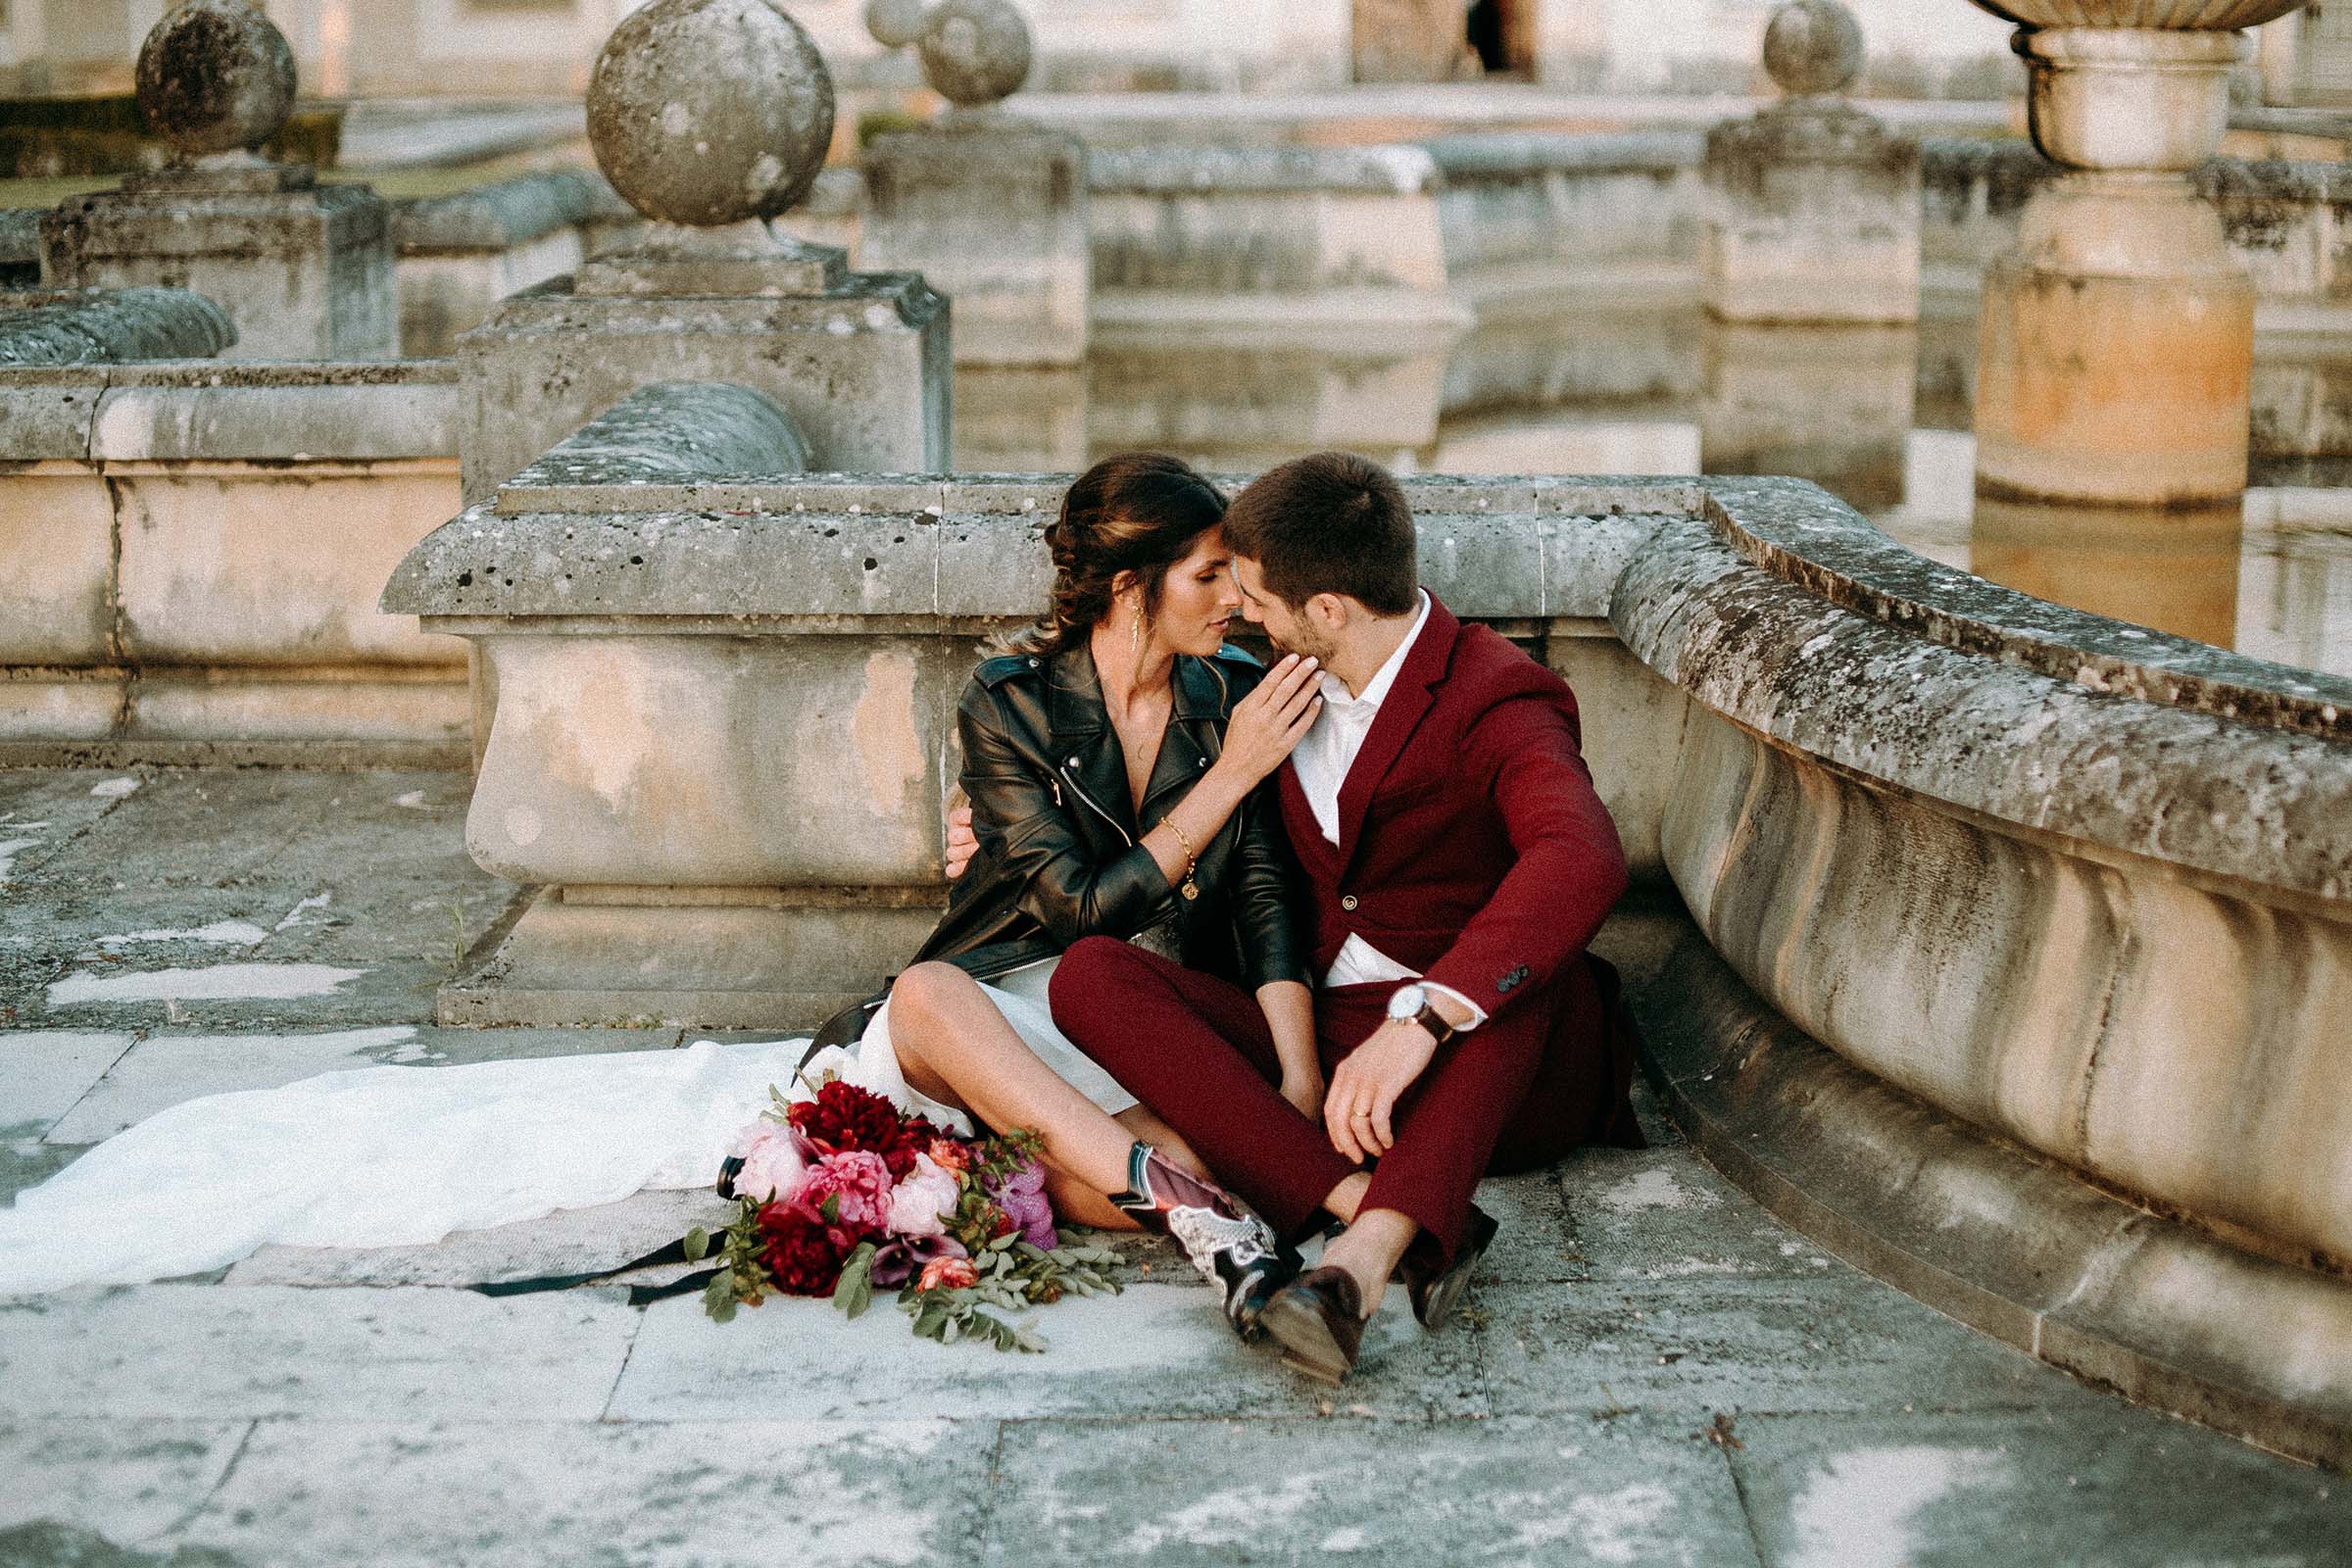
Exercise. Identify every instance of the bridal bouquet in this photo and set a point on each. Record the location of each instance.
(842, 1195)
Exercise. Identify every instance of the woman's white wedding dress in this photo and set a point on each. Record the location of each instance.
(388, 1156)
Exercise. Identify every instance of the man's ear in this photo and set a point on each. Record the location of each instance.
(1330, 611)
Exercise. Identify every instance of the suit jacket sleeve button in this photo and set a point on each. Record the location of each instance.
(1348, 902)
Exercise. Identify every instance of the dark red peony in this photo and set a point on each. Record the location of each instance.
(844, 1117)
(804, 1253)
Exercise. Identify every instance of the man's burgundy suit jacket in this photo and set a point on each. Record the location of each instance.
(1472, 844)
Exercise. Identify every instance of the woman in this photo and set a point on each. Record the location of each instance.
(1112, 760)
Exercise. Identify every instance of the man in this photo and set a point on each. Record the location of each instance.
(1457, 862)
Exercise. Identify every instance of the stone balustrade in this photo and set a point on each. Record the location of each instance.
(2042, 871)
(196, 548)
(457, 256)
(90, 326)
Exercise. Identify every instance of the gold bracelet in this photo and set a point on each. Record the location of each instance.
(1192, 862)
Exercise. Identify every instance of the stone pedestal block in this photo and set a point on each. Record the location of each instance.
(991, 210)
(1812, 215)
(2116, 357)
(303, 270)
(859, 360)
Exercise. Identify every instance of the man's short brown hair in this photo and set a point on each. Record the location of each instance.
(1329, 524)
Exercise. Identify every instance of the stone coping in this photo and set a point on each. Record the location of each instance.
(2011, 1243)
(1179, 171)
(671, 431)
(2043, 757)
(849, 552)
(504, 214)
(1500, 155)
(261, 411)
(99, 327)
(1804, 535)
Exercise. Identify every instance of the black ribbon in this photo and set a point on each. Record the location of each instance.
(639, 1295)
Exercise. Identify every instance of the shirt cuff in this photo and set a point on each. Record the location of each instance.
(1478, 1014)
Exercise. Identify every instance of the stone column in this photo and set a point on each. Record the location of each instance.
(1812, 209)
(711, 118)
(303, 270)
(2116, 352)
(988, 207)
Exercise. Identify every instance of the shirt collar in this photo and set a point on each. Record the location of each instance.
(1376, 690)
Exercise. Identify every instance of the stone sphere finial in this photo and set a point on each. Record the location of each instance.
(215, 76)
(975, 51)
(1813, 46)
(896, 24)
(711, 112)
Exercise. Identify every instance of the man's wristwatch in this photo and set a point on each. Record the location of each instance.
(1411, 1005)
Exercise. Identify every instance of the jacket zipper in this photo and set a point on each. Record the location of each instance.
(1099, 811)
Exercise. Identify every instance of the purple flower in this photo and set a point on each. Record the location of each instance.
(902, 1257)
(1022, 1195)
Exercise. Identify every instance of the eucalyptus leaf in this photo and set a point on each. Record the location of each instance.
(698, 1245)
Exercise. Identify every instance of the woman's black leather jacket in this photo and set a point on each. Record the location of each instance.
(1058, 856)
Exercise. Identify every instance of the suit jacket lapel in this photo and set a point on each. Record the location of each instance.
(1401, 713)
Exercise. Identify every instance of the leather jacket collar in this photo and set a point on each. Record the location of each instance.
(1087, 748)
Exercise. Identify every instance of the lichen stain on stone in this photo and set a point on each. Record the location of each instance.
(884, 732)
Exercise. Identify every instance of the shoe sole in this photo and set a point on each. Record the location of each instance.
(1446, 1293)
(1308, 1344)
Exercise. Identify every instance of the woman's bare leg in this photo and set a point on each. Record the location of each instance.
(956, 1047)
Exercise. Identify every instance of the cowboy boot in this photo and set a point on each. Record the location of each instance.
(1238, 1254)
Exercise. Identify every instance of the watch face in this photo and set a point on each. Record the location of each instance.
(1407, 1002)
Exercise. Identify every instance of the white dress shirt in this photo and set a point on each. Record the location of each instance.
(1321, 760)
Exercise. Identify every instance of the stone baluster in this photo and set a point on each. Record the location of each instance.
(987, 205)
(711, 118)
(303, 270)
(2117, 340)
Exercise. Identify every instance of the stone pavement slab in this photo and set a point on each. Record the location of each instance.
(43, 1072)
(2071, 1486)
(166, 1070)
(1702, 1344)
(1157, 1349)
(1516, 1491)
(572, 1240)
(657, 1496)
(165, 1351)
(130, 1480)
(1664, 1213)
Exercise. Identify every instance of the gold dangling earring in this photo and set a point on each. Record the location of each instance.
(1135, 641)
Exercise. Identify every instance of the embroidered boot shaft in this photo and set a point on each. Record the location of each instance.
(1239, 1254)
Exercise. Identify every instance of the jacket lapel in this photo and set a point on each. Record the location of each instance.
(1086, 749)
(1401, 713)
(1191, 744)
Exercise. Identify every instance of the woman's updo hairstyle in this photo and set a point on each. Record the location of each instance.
(1138, 511)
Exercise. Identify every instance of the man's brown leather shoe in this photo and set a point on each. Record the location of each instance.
(1318, 1320)
(1435, 1294)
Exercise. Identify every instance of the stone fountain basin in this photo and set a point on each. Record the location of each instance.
(2204, 15)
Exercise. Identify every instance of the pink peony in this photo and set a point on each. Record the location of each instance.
(1022, 1197)
(775, 1162)
(948, 1274)
(860, 1184)
(923, 1199)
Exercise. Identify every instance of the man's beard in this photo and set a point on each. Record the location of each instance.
(1302, 642)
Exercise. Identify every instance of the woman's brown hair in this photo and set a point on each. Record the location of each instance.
(1138, 512)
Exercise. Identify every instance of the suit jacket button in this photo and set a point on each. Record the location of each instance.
(1348, 902)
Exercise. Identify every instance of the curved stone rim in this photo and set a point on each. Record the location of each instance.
(1858, 1165)
(1803, 535)
(2044, 756)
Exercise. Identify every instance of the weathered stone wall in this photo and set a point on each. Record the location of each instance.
(197, 552)
(457, 255)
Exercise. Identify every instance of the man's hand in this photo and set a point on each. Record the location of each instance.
(1364, 1090)
(962, 842)
(1304, 1091)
